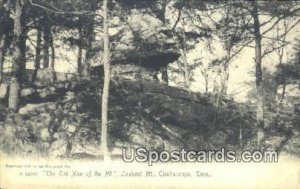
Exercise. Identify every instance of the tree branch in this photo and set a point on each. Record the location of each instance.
(61, 12)
(177, 20)
(279, 19)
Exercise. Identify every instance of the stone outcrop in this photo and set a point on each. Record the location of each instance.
(133, 72)
(143, 46)
(144, 41)
(141, 114)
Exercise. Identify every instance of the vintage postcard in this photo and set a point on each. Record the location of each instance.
(149, 94)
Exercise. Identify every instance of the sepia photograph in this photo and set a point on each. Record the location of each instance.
(149, 94)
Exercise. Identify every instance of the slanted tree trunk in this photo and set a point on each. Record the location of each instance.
(206, 83)
(185, 64)
(105, 94)
(258, 75)
(37, 60)
(18, 61)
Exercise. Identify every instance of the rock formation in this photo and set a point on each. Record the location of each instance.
(142, 48)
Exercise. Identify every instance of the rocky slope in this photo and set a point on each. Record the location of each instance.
(63, 119)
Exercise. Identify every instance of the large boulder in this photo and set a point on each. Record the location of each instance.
(133, 72)
(144, 41)
(160, 117)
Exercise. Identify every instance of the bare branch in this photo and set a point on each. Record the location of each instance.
(279, 19)
(266, 52)
(177, 20)
(280, 36)
(61, 12)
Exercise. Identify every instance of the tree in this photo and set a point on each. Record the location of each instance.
(46, 45)
(281, 44)
(2, 53)
(251, 12)
(18, 57)
(4, 30)
(89, 39)
(232, 30)
(258, 74)
(105, 93)
(258, 35)
(183, 45)
(56, 15)
(80, 49)
(289, 72)
(189, 29)
(52, 64)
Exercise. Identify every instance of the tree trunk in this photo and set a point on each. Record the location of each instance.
(279, 103)
(4, 14)
(105, 95)
(206, 82)
(2, 37)
(1, 4)
(52, 65)
(88, 53)
(185, 64)
(17, 63)
(280, 53)
(164, 74)
(259, 76)
(46, 45)
(2, 54)
(283, 93)
(225, 78)
(79, 56)
(23, 54)
(37, 61)
(86, 65)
